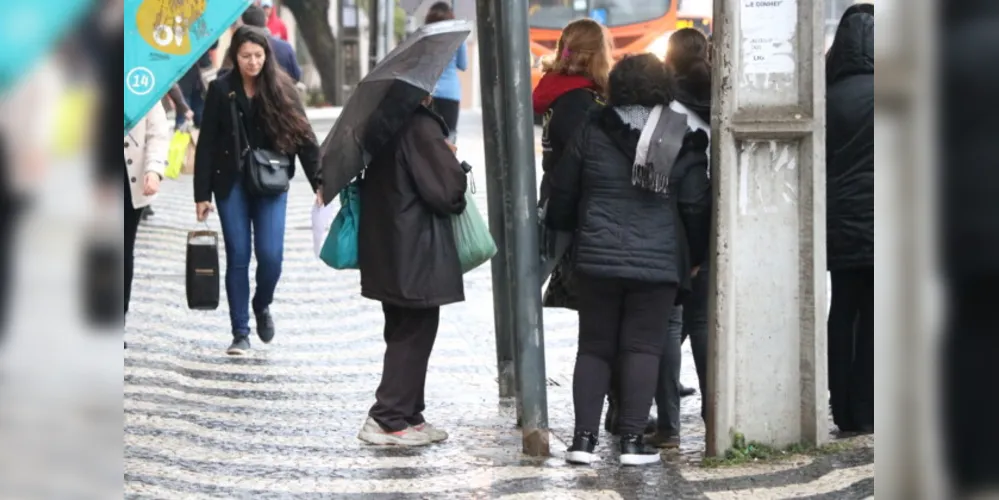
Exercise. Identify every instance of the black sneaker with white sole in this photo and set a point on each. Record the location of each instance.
(634, 451)
(581, 451)
(239, 347)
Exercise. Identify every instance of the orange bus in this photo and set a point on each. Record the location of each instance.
(636, 25)
(700, 23)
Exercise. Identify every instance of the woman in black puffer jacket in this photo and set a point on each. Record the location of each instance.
(633, 187)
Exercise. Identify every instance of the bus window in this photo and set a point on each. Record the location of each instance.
(551, 14)
(555, 14)
(626, 12)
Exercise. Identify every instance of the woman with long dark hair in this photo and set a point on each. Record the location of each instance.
(253, 107)
(633, 188)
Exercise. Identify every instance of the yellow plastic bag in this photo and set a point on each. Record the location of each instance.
(71, 125)
(178, 152)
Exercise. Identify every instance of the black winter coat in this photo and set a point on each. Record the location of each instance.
(850, 145)
(969, 168)
(216, 165)
(406, 247)
(623, 231)
(563, 121)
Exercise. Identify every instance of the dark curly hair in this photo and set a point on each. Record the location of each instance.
(639, 80)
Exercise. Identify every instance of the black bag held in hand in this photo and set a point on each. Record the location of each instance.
(265, 172)
(203, 270)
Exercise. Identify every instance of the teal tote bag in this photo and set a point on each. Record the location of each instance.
(340, 249)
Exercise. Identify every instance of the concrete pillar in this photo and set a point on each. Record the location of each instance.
(908, 290)
(767, 354)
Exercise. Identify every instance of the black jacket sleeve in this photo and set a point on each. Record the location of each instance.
(563, 205)
(210, 138)
(567, 115)
(694, 196)
(436, 172)
(308, 152)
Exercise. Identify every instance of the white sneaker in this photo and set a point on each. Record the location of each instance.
(372, 433)
(436, 435)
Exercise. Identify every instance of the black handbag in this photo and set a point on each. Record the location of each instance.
(202, 270)
(265, 172)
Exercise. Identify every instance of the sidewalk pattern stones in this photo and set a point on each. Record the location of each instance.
(282, 421)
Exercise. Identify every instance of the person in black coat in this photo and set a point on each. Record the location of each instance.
(850, 220)
(409, 262)
(687, 59)
(254, 105)
(641, 223)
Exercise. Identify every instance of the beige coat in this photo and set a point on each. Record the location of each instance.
(146, 148)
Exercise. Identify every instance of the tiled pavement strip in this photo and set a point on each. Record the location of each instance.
(282, 422)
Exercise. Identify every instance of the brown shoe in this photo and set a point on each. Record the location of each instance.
(665, 442)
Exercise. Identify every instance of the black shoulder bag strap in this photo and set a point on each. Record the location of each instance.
(237, 131)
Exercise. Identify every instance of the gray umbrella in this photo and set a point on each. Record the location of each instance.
(385, 99)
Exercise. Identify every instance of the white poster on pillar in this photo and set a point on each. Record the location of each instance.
(769, 60)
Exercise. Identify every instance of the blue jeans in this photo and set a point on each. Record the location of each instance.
(266, 215)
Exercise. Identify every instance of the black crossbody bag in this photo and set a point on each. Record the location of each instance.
(265, 172)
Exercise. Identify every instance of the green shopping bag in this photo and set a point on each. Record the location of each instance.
(471, 234)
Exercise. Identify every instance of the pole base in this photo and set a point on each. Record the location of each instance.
(536, 443)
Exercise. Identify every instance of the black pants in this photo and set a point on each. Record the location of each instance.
(695, 327)
(668, 390)
(851, 348)
(969, 403)
(622, 324)
(449, 111)
(132, 218)
(409, 339)
(11, 208)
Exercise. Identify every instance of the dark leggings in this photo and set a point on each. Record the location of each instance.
(695, 327)
(622, 324)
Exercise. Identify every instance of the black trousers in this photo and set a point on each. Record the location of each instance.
(623, 325)
(11, 209)
(409, 340)
(132, 218)
(668, 390)
(851, 348)
(695, 327)
(969, 404)
(449, 111)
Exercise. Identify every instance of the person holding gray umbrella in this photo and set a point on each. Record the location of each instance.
(395, 148)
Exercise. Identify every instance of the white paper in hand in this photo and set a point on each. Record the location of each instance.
(322, 217)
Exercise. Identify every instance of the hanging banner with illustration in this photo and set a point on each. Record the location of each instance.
(163, 39)
(31, 29)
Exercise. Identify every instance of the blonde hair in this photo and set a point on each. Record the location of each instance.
(585, 48)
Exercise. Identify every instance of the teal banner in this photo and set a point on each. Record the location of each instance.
(31, 29)
(163, 39)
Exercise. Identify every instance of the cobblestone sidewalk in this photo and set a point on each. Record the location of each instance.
(283, 420)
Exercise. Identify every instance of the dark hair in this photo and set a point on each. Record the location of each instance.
(440, 11)
(255, 16)
(688, 55)
(640, 80)
(276, 95)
